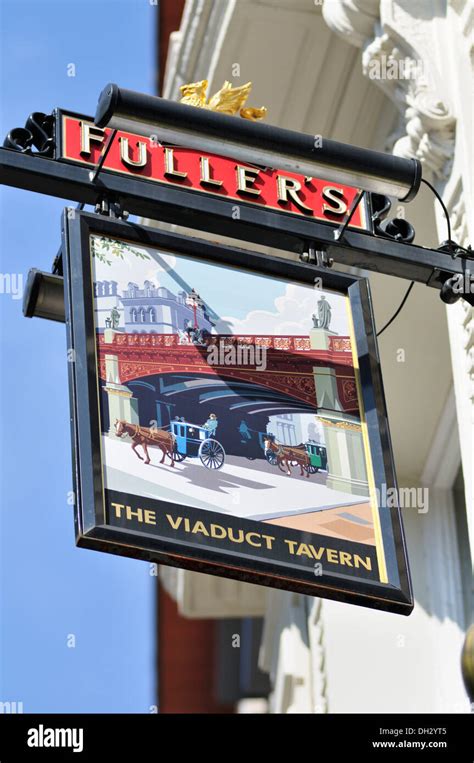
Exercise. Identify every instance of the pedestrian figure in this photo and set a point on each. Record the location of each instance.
(244, 430)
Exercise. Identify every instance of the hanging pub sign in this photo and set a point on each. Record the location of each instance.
(81, 142)
(228, 410)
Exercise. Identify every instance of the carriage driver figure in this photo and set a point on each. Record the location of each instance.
(268, 439)
(211, 424)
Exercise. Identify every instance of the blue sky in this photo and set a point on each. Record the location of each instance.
(50, 590)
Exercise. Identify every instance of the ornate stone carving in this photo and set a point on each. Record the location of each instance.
(428, 121)
(457, 213)
(353, 20)
(468, 326)
(396, 54)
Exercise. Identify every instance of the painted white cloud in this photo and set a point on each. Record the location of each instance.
(292, 315)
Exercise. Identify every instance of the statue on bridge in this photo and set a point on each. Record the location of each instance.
(193, 335)
(322, 318)
(114, 318)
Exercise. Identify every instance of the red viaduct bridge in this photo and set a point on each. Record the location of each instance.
(289, 368)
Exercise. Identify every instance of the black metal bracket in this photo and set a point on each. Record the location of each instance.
(213, 214)
(103, 207)
(317, 256)
(109, 208)
(397, 228)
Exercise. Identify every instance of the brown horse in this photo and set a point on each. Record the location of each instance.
(288, 455)
(145, 436)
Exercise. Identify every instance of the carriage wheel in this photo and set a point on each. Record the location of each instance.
(177, 456)
(311, 469)
(212, 454)
(271, 458)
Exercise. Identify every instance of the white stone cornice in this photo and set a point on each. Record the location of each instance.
(432, 145)
(195, 48)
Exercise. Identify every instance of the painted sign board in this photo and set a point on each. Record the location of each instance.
(228, 414)
(81, 142)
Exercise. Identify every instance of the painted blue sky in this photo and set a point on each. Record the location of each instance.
(247, 302)
(51, 591)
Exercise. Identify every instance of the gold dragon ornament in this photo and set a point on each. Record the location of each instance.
(228, 100)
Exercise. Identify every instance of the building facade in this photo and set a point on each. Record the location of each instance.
(148, 309)
(108, 301)
(392, 75)
(292, 430)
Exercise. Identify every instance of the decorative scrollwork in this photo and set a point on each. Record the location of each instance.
(397, 229)
(36, 137)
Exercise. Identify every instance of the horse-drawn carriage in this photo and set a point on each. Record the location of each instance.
(318, 458)
(312, 453)
(184, 440)
(309, 456)
(193, 441)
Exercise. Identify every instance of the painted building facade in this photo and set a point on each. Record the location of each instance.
(146, 309)
(291, 429)
(108, 300)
